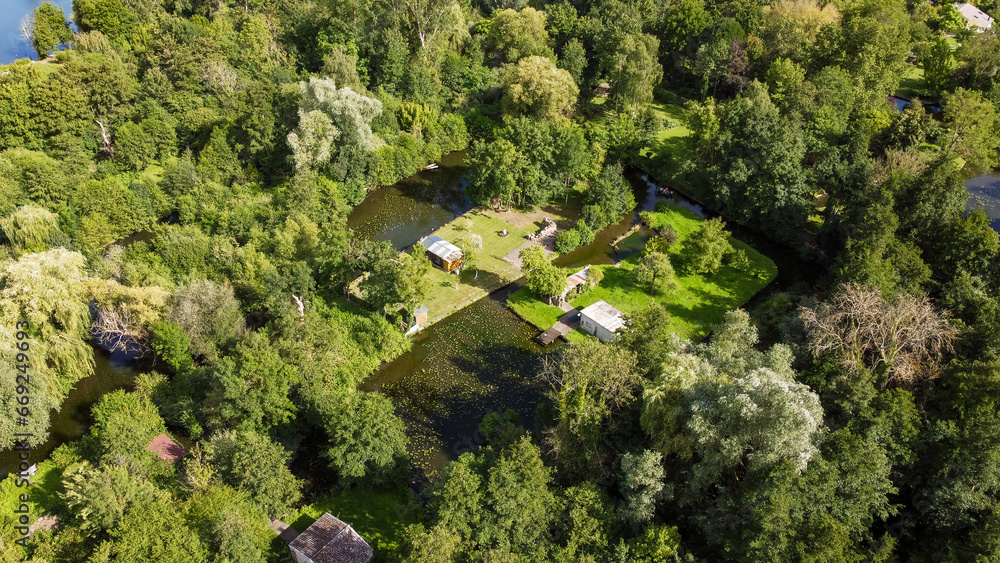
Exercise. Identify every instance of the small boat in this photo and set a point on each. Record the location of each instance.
(665, 192)
(432, 166)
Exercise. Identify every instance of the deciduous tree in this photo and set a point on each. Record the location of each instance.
(50, 29)
(543, 278)
(904, 340)
(367, 439)
(655, 269)
(251, 462)
(705, 248)
(515, 35)
(535, 86)
(973, 124)
(636, 72)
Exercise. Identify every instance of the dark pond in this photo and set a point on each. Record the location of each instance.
(414, 207)
(111, 372)
(482, 359)
(984, 191)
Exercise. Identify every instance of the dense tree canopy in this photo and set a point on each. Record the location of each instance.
(176, 181)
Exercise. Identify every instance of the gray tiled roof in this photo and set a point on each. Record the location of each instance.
(329, 540)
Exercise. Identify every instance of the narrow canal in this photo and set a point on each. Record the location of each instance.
(483, 358)
(111, 372)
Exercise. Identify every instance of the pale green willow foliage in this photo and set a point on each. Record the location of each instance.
(33, 229)
(328, 114)
(752, 422)
(45, 290)
(729, 408)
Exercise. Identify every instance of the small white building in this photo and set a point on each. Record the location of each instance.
(329, 540)
(602, 320)
(975, 18)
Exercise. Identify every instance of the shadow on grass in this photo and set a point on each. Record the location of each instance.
(671, 151)
(622, 279)
(485, 281)
(378, 515)
(701, 317)
(46, 490)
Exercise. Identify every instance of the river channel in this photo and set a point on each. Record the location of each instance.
(111, 372)
(479, 360)
(483, 358)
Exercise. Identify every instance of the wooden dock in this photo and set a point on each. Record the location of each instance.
(565, 325)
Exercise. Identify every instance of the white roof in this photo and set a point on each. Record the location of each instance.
(578, 278)
(442, 248)
(605, 315)
(974, 15)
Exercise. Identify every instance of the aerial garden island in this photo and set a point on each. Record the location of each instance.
(690, 266)
(261, 297)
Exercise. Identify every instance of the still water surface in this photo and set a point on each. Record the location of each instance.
(483, 358)
(111, 372)
(12, 45)
(984, 191)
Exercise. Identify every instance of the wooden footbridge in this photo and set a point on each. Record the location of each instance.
(566, 324)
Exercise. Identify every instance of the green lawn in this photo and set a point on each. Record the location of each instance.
(661, 141)
(912, 83)
(379, 516)
(669, 148)
(695, 307)
(46, 485)
(47, 68)
(450, 292)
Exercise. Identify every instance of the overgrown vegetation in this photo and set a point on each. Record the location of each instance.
(175, 182)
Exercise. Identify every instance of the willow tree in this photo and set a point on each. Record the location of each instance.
(590, 382)
(328, 114)
(535, 86)
(125, 315)
(636, 72)
(33, 229)
(43, 302)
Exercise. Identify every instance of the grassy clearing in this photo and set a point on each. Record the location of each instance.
(565, 213)
(912, 84)
(46, 485)
(695, 307)
(669, 149)
(379, 516)
(661, 143)
(535, 311)
(47, 67)
(450, 292)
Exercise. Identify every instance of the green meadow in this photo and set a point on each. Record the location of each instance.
(698, 303)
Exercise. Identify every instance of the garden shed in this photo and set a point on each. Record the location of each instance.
(602, 320)
(442, 253)
(330, 540)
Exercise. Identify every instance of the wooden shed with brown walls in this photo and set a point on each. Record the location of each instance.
(442, 253)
